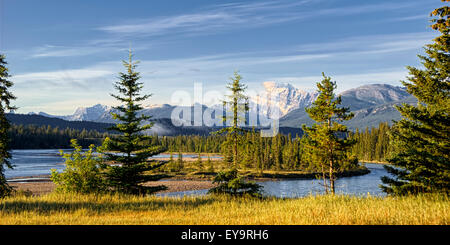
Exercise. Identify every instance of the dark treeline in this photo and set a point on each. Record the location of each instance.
(191, 143)
(373, 144)
(38, 120)
(280, 152)
(47, 137)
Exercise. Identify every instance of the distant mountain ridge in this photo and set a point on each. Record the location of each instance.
(284, 96)
(40, 120)
(161, 127)
(372, 95)
(371, 104)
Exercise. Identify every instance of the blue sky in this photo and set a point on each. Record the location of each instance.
(66, 54)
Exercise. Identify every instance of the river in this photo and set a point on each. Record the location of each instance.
(39, 162)
(363, 185)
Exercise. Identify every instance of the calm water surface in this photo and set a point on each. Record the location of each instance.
(34, 162)
(39, 162)
(357, 185)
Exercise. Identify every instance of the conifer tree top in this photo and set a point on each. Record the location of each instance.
(132, 148)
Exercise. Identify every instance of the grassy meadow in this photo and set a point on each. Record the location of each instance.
(220, 210)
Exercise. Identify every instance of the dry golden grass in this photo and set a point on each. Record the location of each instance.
(210, 210)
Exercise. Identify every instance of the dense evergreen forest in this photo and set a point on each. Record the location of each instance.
(373, 144)
(280, 152)
(38, 120)
(48, 137)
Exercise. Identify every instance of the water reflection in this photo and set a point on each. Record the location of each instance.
(357, 185)
(39, 162)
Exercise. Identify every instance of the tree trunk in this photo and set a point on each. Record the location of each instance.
(235, 151)
(324, 180)
(331, 177)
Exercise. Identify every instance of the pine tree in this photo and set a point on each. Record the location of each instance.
(238, 104)
(257, 153)
(327, 139)
(258, 156)
(210, 165)
(171, 157)
(171, 165)
(231, 182)
(199, 162)
(422, 137)
(277, 153)
(180, 164)
(127, 149)
(5, 104)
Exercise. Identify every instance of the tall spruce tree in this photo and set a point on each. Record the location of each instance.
(128, 149)
(327, 139)
(422, 137)
(180, 164)
(230, 182)
(238, 104)
(5, 104)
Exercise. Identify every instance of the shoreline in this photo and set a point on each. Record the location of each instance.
(42, 187)
(376, 162)
(41, 184)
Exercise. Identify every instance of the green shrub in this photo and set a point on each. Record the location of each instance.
(230, 182)
(82, 173)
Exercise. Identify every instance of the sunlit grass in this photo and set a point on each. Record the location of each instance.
(210, 210)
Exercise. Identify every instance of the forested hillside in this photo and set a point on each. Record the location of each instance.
(48, 137)
(38, 120)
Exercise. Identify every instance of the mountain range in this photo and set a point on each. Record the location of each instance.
(371, 104)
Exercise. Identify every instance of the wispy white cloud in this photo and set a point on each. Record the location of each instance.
(240, 15)
(361, 9)
(75, 74)
(219, 17)
(163, 25)
(60, 51)
(371, 43)
(412, 17)
(62, 79)
(207, 21)
(350, 48)
(60, 92)
(201, 66)
(88, 48)
(94, 82)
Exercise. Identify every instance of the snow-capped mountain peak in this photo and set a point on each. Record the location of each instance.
(89, 113)
(283, 96)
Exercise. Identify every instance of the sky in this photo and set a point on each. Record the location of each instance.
(67, 54)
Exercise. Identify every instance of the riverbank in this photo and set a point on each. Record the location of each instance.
(279, 175)
(41, 185)
(376, 162)
(66, 209)
(267, 175)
